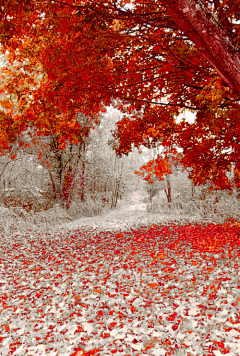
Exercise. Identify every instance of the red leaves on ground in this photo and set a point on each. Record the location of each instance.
(85, 353)
(185, 255)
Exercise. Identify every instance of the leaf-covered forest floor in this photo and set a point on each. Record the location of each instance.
(122, 284)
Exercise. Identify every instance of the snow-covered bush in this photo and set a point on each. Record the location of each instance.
(89, 207)
(228, 206)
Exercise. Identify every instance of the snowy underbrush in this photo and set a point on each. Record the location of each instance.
(87, 208)
(226, 208)
(17, 219)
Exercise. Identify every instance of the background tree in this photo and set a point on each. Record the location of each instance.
(87, 171)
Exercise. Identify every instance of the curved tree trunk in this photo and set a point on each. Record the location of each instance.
(210, 36)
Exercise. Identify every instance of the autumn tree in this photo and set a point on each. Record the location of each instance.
(158, 170)
(158, 57)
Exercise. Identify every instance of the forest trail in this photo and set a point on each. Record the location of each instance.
(125, 213)
(111, 220)
(123, 218)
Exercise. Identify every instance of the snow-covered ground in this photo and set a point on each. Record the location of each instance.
(141, 206)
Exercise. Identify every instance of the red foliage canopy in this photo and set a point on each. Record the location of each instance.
(159, 57)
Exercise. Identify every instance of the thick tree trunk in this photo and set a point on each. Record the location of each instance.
(53, 185)
(210, 36)
(60, 176)
(69, 185)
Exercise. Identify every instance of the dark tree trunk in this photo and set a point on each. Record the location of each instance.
(168, 191)
(115, 195)
(82, 196)
(193, 191)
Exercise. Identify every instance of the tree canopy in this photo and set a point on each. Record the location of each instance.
(156, 58)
